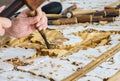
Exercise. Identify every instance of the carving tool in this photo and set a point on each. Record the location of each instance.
(17, 4)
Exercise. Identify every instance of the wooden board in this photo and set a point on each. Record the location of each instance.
(92, 65)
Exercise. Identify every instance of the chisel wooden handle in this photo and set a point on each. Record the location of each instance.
(91, 18)
(78, 11)
(63, 21)
(114, 5)
(54, 16)
(69, 9)
(88, 18)
(107, 13)
(80, 19)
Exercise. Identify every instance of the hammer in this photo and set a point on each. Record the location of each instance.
(32, 5)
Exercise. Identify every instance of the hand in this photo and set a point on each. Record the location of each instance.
(23, 25)
(4, 22)
(2, 8)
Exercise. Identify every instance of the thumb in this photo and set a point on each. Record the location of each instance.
(5, 22)
(2, 8)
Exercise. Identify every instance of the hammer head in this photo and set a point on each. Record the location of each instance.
(33, 4)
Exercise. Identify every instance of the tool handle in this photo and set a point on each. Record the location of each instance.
(79, 11)
(107, 13)
(34, 13)
(115, 5)
(15, 6)
(63, 21)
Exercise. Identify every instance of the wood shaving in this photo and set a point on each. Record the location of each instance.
(16, 62)
(91, 38)
(21, 77)
(59, 65)
(10, 77)
(103, 42)
(54, 52)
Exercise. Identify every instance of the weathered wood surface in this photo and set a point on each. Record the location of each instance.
(115, 77)
(92, 65)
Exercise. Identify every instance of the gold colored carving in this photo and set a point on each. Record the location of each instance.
(91, 39)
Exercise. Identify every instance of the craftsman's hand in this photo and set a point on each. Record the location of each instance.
(23, 25)
(2, 8)
(4, 22)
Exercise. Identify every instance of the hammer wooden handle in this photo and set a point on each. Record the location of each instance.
(8, 12)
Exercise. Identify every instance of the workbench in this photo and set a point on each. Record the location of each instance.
(45, 68)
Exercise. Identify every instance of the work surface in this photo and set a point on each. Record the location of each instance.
(45, 68)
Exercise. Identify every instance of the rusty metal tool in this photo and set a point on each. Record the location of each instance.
(32, 5)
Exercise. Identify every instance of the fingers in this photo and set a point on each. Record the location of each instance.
(31, 20)
(42, 19)
(42, 23)
(2, 8)
(5, 22)
(25, 24)
(39, 12)
(24, 16)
